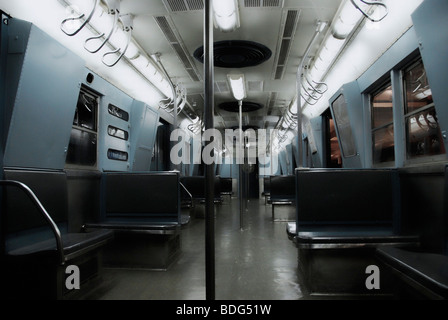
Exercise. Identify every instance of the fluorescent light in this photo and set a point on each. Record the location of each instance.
(237, 85)
(325, 57)
(347, 17)
(226, 15)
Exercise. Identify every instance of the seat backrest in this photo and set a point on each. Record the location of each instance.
(226, 185)
(348, 196)
(267, 184)
(283, 187)
(149, 197)
(23, 222)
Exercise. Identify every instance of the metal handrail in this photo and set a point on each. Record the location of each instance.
(86, 21)
(36, 201)
(186, 190)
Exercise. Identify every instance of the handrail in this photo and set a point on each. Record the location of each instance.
(127, 22)
(186, 190)
(86, 21)
(370, 3)
(115, 13)
(35, 200)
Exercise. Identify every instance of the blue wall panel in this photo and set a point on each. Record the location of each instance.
(42, 103)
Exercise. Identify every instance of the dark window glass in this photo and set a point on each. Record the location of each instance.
(343, 127)
(82, 148)
(423, 135)
(382, 125)
(85, 114)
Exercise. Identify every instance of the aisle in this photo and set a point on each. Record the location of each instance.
(255, 263)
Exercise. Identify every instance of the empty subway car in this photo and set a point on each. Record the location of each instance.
(230, 150)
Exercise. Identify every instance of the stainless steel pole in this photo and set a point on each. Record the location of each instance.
(209, 168)
(241, 155)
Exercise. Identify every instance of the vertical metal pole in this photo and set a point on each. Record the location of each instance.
(241, 154)
(175, 124)
(209, 168)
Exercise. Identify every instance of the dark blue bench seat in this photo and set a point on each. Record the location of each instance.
(282, 193)
(426, 272)
(74, 245)
(36, 237)
(351, 236)
(194, 194)
(143, 209)
(342, 216)
(421, 272)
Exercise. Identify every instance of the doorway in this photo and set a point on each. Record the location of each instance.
(332, 152)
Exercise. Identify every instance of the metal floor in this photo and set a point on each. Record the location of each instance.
(258, 262)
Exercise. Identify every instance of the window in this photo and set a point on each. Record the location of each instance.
(423, 135)
(83, 138)
(343, 127)
(382, 125)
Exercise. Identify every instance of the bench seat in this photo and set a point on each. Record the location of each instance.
(143, 210)
(142, 228)
(426, 271)
(350, 236)
(74, 244)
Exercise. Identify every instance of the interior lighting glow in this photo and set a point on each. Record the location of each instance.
(237, 85)
(226, 15)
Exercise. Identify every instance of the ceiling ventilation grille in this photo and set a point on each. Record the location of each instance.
(255, 86)
(177, 45)
(184, 5)
(271, 101)
(221, 87)
(286, 37)
(263, 3)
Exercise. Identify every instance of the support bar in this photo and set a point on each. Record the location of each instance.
(43, 211)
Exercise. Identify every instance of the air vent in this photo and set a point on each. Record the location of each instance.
(230, 119)
(286, 37)
(184, 5)
(221, 87)
(271, 101)
(255, 86)
(233, 106)
(177, 45)
(236, 54)
(263, 3)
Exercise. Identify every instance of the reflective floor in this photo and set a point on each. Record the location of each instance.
(257, 262)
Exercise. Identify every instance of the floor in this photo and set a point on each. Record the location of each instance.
(256, 262)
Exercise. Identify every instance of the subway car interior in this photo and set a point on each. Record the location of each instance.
(224, 150)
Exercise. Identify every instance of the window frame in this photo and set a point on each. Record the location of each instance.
(75, 126)
(377, 90)
(409, 159)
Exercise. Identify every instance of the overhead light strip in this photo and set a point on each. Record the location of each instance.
(226, 15)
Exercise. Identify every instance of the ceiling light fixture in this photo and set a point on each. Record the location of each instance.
(226, 15)
(237, 84)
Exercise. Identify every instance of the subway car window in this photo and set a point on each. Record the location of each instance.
(343, 126)
(82, 149)
(382, 125)
(423, 133)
